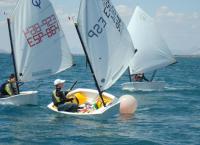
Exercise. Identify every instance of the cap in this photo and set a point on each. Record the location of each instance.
(58, 81)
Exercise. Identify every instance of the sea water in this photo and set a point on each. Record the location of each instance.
(166, 117)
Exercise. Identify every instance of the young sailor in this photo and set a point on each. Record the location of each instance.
(9, 87)
(60, 100)
(140, 77)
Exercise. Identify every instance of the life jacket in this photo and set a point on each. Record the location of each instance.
(3, 90)
(56, 98)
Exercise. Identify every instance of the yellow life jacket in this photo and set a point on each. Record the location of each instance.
(56, 98)
(7, 89)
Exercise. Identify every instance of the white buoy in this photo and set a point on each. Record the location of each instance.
(128, 104)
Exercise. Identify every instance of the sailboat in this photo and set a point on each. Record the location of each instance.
(38, 44)
(109, 50)
(152, 51)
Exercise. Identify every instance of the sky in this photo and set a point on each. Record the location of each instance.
(177, 20)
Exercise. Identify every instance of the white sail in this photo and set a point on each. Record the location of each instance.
(4, 35)
(106, 39)
(153, 53)
(40, 46)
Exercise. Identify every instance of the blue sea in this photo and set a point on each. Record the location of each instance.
(167, 117)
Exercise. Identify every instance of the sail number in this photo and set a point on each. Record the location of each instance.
(112, 14)
(45, 29)
(97, 28)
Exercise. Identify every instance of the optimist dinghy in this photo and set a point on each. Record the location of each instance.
(39, 47)
(91, 103)
(152, 51)
(24, 98)
(105, 41)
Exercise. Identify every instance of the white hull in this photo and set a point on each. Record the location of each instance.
(92, 96)
(24, 98)
(143, 86)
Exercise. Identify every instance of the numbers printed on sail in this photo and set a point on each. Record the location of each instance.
(40, 31)
(36, 3)
(111, 13)
(97, 28)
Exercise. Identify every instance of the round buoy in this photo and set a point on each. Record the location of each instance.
(128, 104)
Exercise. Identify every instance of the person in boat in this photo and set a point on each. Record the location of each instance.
(60, 100)
(9, 87)
(140, 77)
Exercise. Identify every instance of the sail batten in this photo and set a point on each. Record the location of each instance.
(153, 52)
(40, 45)
(106, 39)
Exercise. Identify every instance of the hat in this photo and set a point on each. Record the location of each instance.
(58, 81)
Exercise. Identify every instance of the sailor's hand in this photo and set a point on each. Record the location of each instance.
(71, 99)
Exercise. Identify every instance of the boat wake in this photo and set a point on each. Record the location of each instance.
(6, 103)
(166, 88)
(181, 88)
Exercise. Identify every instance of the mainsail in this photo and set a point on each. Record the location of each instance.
(106, 40)
(4, 35)
(153, 53)
(40, 47)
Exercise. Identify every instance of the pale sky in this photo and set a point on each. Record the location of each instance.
(177, 20)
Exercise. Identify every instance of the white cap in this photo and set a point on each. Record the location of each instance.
(58, 81)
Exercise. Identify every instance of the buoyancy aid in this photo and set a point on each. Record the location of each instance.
(55, 98)
(7, 89)
(2, 89)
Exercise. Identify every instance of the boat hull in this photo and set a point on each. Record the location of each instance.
(143, 86)
(92, 95)
(24, 98)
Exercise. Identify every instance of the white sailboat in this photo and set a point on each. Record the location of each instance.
(39, 47)
(152, 51)
(109, 51)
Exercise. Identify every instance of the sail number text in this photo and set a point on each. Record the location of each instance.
(97, 28)
(45, 29)
(112, 14)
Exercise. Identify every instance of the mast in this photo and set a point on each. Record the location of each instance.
(152, 77)
(13, 55)
(89, 63)
(129, 72)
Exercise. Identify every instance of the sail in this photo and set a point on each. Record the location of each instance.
(40, 46)
(106, 40)
(4, 35)
(153, 53)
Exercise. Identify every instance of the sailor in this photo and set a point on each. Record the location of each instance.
(140, 77)
(60, 100)
(9, 87)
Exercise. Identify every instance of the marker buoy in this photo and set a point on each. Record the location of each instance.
(128, 104)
